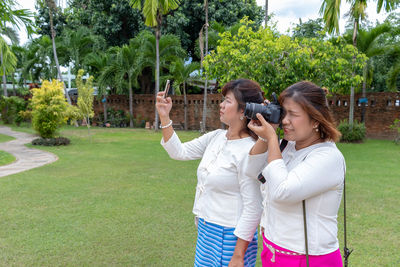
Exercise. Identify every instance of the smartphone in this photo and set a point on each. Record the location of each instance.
(166, 89)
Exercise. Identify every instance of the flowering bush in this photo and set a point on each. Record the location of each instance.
(49, 108)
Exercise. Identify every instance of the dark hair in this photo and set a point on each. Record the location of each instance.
(244, 91)
(312, 99)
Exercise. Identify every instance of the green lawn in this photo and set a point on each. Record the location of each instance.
(6, 158)
(119, 200)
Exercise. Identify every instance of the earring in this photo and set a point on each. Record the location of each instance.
(316, 129)
(241, 118)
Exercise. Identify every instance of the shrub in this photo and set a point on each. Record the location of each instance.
(396, 126)
(49, 108)
(10, 109)
(59, 141)
(352, 134)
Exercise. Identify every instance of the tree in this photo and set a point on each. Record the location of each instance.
(16, 17)
(331, 15)
(97, 62)
(114, 20)
(153, 11)
(51, 5)
(309, 29)
(7, 57)
(125, 67)
(367, 44)
(188, 19)
(203, 124)
(277, 62)
(85, 97)
(39, 64)
(181, 73)
(78, 44)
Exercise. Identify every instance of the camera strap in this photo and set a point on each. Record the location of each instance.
(346, 250)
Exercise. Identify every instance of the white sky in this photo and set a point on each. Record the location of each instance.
(287, 12)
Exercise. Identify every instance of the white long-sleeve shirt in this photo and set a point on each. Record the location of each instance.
(316, 174)
(224, 194)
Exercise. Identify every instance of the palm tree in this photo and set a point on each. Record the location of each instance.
(97, 63)
(38, 64)
(51, 5)
(367, 43)
(331, 15)
(78, 43)
(153, 11)
(125, 67)
(181, 73)
(16, 17)
(203, 125)
(394, 53)
(12, 35)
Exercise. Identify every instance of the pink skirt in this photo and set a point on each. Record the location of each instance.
(274, 255)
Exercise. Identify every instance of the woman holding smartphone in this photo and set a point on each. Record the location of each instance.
(304, 183)
(227, 204)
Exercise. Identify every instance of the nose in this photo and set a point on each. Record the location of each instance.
(285, 120)
(221, 104)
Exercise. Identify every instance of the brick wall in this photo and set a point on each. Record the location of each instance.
(382, 110)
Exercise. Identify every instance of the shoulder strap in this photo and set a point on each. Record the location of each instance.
(346, 250)
(305, 232)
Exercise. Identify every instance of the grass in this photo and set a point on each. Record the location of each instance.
(6, 158)
(119, 200)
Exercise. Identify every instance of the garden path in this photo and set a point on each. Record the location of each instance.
(26, 158)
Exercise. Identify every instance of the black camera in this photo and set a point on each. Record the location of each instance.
(271, 112)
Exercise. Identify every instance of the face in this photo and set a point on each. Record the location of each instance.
(297, 124)
(229, 113)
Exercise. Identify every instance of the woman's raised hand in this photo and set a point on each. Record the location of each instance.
(262, 128)
(163, 105)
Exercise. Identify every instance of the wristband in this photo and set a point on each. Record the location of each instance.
(166, 126)
(262, 139)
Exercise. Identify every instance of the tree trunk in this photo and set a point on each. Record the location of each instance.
(53, 36)
(266, 13)
(351, 113)
(203, 125)
(4, 75)
(131, 104)
(185, 105)
(13, 85)
(157, 88)
(364, 95)
(105, 109)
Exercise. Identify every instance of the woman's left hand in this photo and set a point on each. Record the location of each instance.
(236, 261)
(262, 128)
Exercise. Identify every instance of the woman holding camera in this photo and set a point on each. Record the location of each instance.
(310, 168)
(227, 204)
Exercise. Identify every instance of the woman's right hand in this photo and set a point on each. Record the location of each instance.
(163, 105)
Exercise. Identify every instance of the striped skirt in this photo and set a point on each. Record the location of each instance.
(216, 244)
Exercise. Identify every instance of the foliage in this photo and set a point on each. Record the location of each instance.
(10, 109)
(352, 133)
(42, 19)
(57, 141)
(277, 62)
(49, 108)
(9, 61)
(181, 72)
(16, 17)
(114, 20)
(313, 28)
(187, 21)
(85, 96)
(396, 126)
